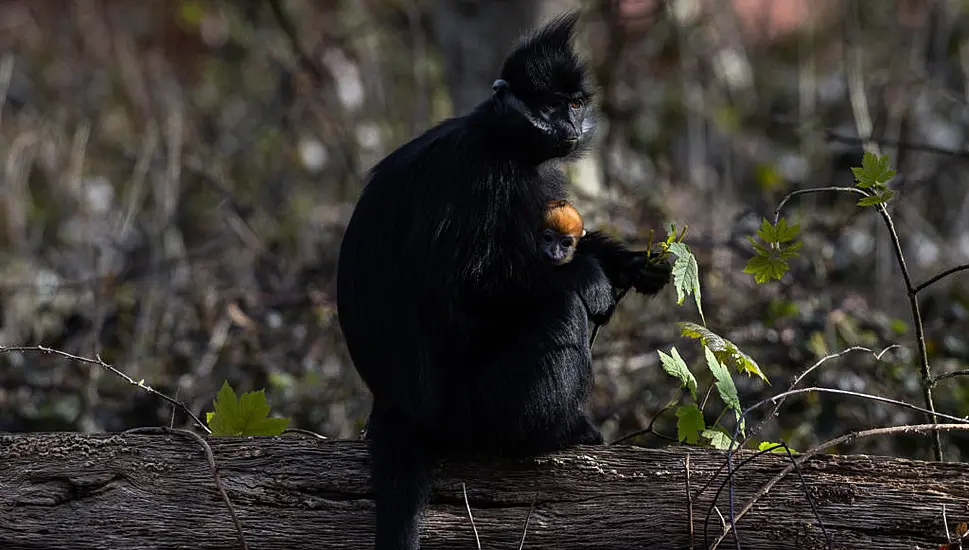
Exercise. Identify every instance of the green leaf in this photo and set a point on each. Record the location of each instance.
(874, 172)
(862, 179)
(247, 415)
(764, 445)
(192, 12)
(767, 232)
(724, 384)
(785, 233)
(718, 438)
(686, 275)
(883, 196)
(689, 423)
(770, 262)
(675, 366)
(791, 251)
(898, 325)
(724, 350)
(670, 235)
(758, 248)
(764, 269)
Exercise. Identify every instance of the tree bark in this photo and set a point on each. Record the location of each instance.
(66, 490)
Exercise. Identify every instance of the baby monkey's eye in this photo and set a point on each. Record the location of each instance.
(548, 237)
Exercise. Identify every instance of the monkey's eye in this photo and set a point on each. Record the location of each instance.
(567, 242)
(576, 104)
(548, 238)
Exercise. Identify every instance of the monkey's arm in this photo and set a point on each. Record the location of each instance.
(623, 267)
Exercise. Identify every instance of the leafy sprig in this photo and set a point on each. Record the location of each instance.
(873, 175)
(771, 255)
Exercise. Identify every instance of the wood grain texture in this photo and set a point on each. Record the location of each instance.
(65, 490)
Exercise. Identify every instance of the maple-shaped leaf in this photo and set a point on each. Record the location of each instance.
(686, 275)
(243, 416)
(675, 366)
(689, 423)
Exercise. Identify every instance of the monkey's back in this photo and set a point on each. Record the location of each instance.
(439, 280)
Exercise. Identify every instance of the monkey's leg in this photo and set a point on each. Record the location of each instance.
(584, 432)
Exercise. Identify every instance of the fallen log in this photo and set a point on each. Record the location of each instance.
(68, 490)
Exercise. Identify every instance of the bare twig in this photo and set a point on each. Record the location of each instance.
(215, 470)
(100, 362)
(6, 76)
(926, 374)
(307, 433)
(809, 370)
(833, 136)
(528, 517)
(952, 374)
(872, 397)
(649, 429)
(289, 29)
(467, 505)
(689, 499)
(941, 276)
(914, 429)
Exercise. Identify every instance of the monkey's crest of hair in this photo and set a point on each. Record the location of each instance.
(545, 62)
(564, 218)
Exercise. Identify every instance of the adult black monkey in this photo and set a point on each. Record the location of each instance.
(468, 339)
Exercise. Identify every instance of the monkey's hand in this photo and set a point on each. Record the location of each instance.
(649, 274)
(625, 268)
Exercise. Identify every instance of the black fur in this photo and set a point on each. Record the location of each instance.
(468, 339)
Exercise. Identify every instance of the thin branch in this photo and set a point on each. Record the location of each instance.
(798, 378)
(210, 456)
(689, 501)
(731, 450)
(100, 362)
(307, 433)
(941, 276)
(831, 135)
(812, 190)
(528, 517)
(810, 498)
(914, 429)
(952, 374)
(926, 369)
(467, 505)
(289, 29)
(6, 76)
(649, 429)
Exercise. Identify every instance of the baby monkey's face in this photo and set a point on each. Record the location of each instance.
(558, 247)
(563, 229)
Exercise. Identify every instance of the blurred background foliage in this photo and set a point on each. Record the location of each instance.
(176, 175)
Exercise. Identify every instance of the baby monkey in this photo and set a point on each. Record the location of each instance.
(563, 229)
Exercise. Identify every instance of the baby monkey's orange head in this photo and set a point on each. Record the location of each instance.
(563, 229)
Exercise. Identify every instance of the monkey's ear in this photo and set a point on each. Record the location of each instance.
(584, 232)
(500, 87)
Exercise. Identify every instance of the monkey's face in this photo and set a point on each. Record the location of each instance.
(544, 90)
(568, 123)
(558, 248)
